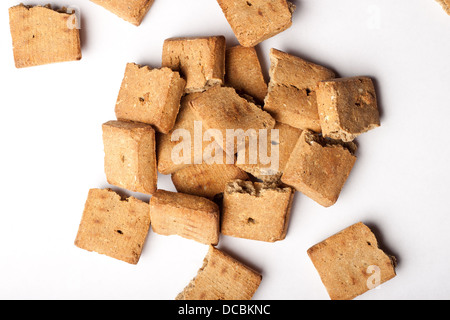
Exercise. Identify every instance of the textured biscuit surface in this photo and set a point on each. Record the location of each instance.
(244, 73)
(131, 11)
(292, 98)
(179, 148)
(445, 5)
(201, 61)
(185, 215)
(41, 36)
(130, 156)
(222, 278)
(254, 21)
(347, 107)
(256, 211)
(319, 168)
(114, 226)
(222, 109)
(150, 96)
(350, 262)
(280, 143)
(206, 180)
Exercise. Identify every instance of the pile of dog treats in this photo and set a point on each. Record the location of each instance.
(293, 135)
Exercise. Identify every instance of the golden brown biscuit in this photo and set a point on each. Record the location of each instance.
(206, 180)
(244, 73)
(254, 21)
(222, 109)
(280, 145)
(131, 11)
(445, 5)
(114, 226)
(256, 211)
(201, 61)
(188, 216)
(350, 263)
(187, 125)
(150, 96)
(41, 36)
(319, 168)
(347, 107)
(292, 98)
(222, 278)
(130, 156)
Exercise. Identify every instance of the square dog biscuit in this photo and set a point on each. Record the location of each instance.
(222, 278)
(130, 156)
(221, 109)
(180, 142)
(206, 180)
(188, 216)
(350, 263)
(244, 72)
(281, 140)
(150, 96)
(131, 11)
(254, 21)
(114, 226)
(42, 36)
(319, 167)
(292, 98)
(256, 211)
(201, 61)
(445, 5)
(347, 107)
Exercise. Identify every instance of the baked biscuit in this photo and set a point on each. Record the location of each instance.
(222, 109)
(131, 11)
(347, 107)
(150, 96)
(201, 61)
(114, 226)
(42, 36)
(206, 180)
(445, 5)
(319, 167)
(256, 211)
(254, 21)
(244, 72)
(130, 156)
(222, 278)
(292, 98)
(350, 263)
(188, 216)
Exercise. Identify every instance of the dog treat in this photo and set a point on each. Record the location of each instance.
(350, 263)
(201, 61)
(206, 180)
(347, 107)
(319, 167)
(130, 156)
(187, 126)
(42, 36)
(292, 98)
(244, 73)
(256, 211)
(131, 11)
(254, 21)
(150, 96)
(188, 216)
(114, 226)
(445, 5)
(281, 144)
(222, 278)
(222, 109)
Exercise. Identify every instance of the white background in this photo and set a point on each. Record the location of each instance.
(52, 153)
